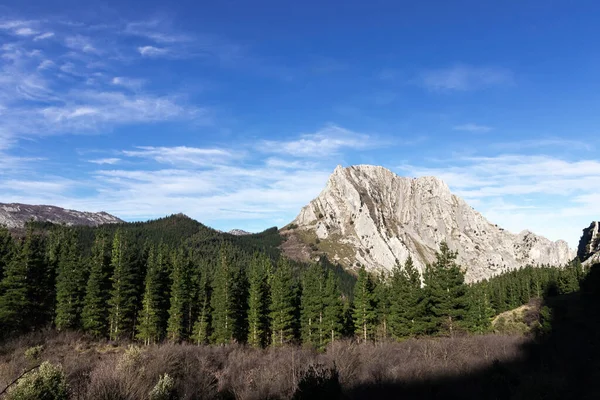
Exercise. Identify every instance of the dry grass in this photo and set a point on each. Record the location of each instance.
(101, 370)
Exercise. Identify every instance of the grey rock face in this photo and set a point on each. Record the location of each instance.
(370, 216)
(238, 232)
(588, 250)
(15, 215)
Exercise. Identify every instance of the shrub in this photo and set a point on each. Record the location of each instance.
(33, 353)
(47, 383)
(319, 382)
(164, 389)
(545, 320)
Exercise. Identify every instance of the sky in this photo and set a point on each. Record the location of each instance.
(236, 112)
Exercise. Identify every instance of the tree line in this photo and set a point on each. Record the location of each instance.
(121, 285)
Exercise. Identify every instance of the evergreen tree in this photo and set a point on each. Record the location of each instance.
(94, 316)
(70, 285)
(364, 306)
(6, 249)
(150, 327)
(480, 311)
(405, 295)
(223, 300)
(333, 310)
(124, 291)
(381, 293)
(14, 299)
(282, 304)
(24, 289)
(569, 277)
(180, 297)
(258, 300)
(444, 300)
(312, 306)
(202, 325)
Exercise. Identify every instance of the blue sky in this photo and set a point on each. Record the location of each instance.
(236, 112)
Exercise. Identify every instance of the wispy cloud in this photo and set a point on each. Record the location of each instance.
(465, 77)
(109, 161)
(46, 35)
(562, 190)
(155, 30)
(327, 141)
(471, 127)
(130, 83)
(181, 155)
(151, 51)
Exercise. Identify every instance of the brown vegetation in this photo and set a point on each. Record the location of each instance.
(104, 370)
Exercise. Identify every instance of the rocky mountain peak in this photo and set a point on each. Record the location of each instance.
(368, 215)
(15, 215)
(588, 250)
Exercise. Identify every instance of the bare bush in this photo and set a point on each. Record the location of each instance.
(98, 370)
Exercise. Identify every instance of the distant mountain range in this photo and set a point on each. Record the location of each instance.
(367, 215)
(15, 215)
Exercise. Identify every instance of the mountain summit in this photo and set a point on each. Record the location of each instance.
(15, 215)
(367, 215)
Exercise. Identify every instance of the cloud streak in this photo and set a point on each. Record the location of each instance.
(465, 78)
(474, 128)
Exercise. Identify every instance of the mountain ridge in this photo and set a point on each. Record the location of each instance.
(367, 215)
(16, 215)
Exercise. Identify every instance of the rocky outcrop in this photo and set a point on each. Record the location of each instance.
(367, 215)
(588, 250)
(15, 215)
(238, 232)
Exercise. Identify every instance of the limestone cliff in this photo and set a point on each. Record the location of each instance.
(588, 250)
(367, 215)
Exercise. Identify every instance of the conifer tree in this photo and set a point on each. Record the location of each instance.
(223, 300)
(14, 299)
(364, 314)
(180, 297)
(333, 310)
(480, 311)
(381, 294)
(123, 293)
(150, 329)
(568, 278)
(70, 285)
(202, 325)
(281, 308)
(312, 306)
(258, 297)
(6, 249)
(444, 300)
(24, 289)
(405, 290)
(94, 316)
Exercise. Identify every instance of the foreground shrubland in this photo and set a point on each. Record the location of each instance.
(105, 370)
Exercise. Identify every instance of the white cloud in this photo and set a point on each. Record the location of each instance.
(25, 31)
(151, 51)
(43, 36)
(182, 155)
(464, 77)
(154, 30)
(546, 194)
(46, 64)
(327, 141)
(81, 43)
(109, 161)
(470, 127)
(130, 83)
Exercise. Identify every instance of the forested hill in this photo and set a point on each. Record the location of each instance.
(176, 279)
(179, 229)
